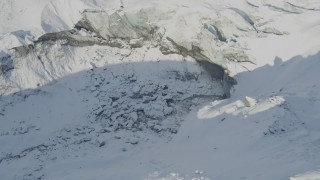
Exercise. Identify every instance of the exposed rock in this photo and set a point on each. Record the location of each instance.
(236, 55)
(6, 64)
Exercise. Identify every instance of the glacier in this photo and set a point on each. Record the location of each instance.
(119, 89)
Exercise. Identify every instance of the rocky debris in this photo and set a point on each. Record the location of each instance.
(23, 51)
(74, 139)
(236, 55)
(7, 101)
(280, 125)
(6, 64)
(9, 157)
(72, 38)
(157, 103)
(23, 129)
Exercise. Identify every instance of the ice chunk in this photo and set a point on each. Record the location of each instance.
(249, 102)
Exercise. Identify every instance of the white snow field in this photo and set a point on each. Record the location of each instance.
(160, 90)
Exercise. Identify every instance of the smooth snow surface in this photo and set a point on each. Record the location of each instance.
(140, 89)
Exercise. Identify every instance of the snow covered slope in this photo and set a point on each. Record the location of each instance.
(109, 89)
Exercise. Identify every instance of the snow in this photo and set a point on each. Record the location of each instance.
(61, 15)
(100, 112)
(307, 176)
